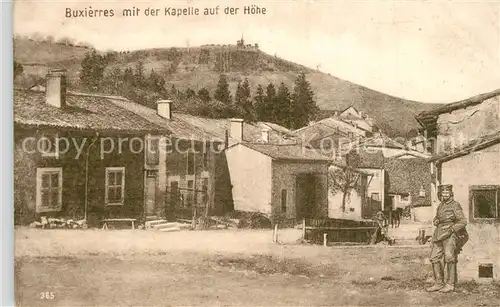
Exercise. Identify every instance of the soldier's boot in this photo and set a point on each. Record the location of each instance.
(451, 267)
(437, 269)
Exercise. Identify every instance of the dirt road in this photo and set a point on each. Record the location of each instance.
(86, 272)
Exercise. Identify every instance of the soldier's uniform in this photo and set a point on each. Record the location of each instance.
(448, 239)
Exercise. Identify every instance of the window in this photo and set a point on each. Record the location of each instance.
(484, 202)
(485, 270)
(48, 189)
(153, 151)
(283, 200)
(190, 163)
(375, 196)
(190, 194)
(115, 185)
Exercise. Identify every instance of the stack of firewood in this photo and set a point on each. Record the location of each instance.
(58, 223)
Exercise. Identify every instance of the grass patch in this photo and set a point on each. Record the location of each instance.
(266, 264)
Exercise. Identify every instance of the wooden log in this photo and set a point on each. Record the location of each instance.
(275, 235)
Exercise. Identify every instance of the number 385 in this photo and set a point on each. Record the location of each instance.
(47, 295)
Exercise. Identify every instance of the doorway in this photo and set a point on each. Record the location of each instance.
(151, 192)
(305, 197)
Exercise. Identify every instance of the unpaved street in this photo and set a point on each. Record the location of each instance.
(86, 272)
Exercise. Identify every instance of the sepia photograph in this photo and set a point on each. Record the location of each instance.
(256, 153)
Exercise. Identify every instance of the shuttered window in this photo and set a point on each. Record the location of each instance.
(49, 189)
(115, 186)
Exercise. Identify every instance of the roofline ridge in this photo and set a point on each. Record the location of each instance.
(455, 105)
(98, 95)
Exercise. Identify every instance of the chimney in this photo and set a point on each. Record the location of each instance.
(56, 88)
(265, 135)
(236, 129)
(164, 108)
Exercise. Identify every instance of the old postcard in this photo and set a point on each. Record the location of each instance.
(256, 153)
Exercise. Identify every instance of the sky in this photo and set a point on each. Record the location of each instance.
(429, 51)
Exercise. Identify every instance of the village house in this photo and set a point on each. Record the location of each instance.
(376, 190)
(77, 155)
(465, 140)
(189, 175)
(395, 183)
(281, 180)
(389, 147)
(408, 182)
(196, 181)
(330, 135)
(358, 119)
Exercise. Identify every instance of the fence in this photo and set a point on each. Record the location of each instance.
(324, 231)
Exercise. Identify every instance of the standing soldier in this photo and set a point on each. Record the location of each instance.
(449, 237)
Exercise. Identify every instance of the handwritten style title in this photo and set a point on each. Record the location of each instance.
(89, 12)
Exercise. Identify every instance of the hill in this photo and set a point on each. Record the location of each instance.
(200, 67)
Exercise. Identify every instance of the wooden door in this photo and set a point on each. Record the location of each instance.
(150, 196)
(305, 196)
(174, 198)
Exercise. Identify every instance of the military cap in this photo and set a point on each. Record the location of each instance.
(445, 187)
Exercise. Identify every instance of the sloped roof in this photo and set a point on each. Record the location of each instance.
(288, 152)
(382, 141)
(478, 144)
(460, 104)
(176, 125)
(327, 127)
(368, 159)
(82, 112)
(318, 131)
(275, 127)
(399, 171)
(408, 176)
(252, 132)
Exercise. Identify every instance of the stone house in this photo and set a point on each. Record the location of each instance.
(280, 180)
(77, 155)
(465, 138)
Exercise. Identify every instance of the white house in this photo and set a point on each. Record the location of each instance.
(465, 138)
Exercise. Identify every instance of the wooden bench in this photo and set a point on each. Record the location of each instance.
(106, 221)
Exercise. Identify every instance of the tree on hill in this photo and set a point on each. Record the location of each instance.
(139, 78)
(265, 104)
(222, 92)
(259, 103)
(304, 107)
(173, 91)
(128, 77)
(282, 107)
(114, 80)
(155, 82)
(243, 101)
(92, 70)
(204, 95)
